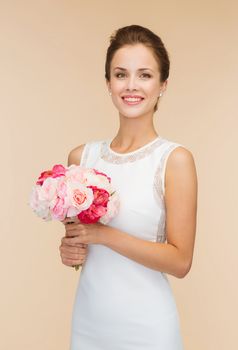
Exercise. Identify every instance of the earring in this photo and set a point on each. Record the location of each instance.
(110, 93)
(160, 94)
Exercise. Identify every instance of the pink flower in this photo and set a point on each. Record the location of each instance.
(57, 170)
(58, 206)
(100, 173)
(62, 189)
(76, 173)
(79, 197)
(58, 212)
(48, 189)
(74, 191)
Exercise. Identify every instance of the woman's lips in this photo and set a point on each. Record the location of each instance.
(132, 102)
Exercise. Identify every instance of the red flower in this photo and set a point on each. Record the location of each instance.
(98, 208)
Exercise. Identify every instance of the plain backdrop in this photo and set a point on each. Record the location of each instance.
(54, 97)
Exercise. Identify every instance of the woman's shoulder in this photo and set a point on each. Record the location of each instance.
(74, 156)
(177, 148)
(177, 155)
(180, 162)
(76, 153)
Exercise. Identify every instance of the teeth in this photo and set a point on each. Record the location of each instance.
(131, 99)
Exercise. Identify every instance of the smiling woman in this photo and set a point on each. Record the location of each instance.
(137, 60)
(124, 300)
(145, 39)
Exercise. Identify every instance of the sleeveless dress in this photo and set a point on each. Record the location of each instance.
(119, 303)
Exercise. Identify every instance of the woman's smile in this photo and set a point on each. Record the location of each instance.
(132, 100)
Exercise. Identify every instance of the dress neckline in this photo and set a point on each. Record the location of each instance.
(109, 141)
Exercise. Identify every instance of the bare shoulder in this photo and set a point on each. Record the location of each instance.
(75, 154)
(181, 155)
(180, 162)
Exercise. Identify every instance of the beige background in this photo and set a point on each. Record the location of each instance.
(54, 97)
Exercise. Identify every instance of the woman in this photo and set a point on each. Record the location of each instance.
(124, 300)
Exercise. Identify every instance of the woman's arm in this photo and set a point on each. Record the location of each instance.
(175, 256)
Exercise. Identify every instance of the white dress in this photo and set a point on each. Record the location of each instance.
(119, 303)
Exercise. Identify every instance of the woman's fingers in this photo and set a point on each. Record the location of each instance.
(73, 255)
(64, 241)
(72, 262)
(73, 250)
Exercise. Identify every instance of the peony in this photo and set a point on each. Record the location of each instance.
(58, 211)
(100, 173)
(39, 206)
(48, 189)
(99, 180)
(75, 173)
(98, 207)
(57, 171)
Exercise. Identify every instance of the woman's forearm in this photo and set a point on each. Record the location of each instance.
(163, 257)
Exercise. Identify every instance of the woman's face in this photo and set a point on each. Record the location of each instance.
(135, 72)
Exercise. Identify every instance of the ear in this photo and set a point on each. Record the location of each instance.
(164, 85)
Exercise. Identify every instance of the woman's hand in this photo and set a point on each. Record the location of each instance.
(78, 233)
(74, 246)
(72, 255)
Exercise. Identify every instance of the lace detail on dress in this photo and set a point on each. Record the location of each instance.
(159, 178)
(158, 189)
(111, 157)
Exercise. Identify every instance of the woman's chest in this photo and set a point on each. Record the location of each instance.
(140, 210)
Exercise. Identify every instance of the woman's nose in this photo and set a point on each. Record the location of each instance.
(131, 83)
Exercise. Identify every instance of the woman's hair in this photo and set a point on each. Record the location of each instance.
(135, 34)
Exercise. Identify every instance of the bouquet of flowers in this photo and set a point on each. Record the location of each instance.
(65, 192)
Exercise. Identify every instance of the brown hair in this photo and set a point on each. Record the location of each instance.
(134, 34)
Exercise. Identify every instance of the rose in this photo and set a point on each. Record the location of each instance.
(79, 197)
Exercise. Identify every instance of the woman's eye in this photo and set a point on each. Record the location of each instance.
(118, 74)
(147, 75)
(143, 74)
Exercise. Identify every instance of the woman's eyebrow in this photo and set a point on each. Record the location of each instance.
(140, 69)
